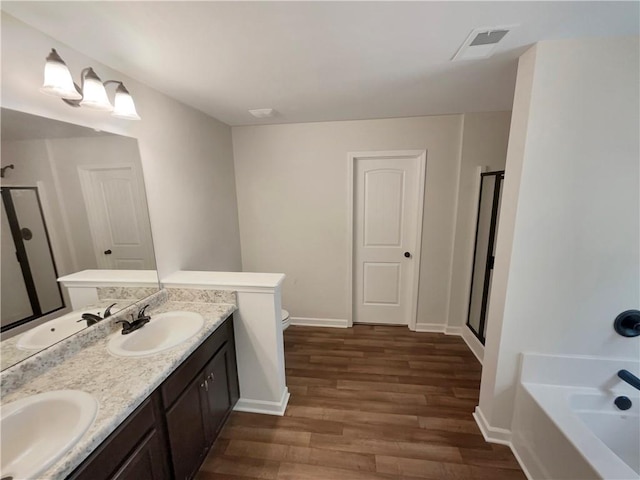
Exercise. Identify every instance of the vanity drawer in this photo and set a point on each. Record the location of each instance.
(180, 379)
(129, 443)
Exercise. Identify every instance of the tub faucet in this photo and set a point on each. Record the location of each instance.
(630, 378)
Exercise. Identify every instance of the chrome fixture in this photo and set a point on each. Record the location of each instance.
(91, 92)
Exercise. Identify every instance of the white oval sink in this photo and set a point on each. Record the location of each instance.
(164, 331)
(51, 332)
(37, 431)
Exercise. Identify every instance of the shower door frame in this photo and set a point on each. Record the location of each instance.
(23, 259)
(490, 257)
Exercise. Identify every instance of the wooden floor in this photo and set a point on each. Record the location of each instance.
(368, 402)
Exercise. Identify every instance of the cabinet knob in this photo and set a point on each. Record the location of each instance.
(211, 377)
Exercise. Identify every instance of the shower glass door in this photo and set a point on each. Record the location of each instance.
(28, 272)
(484, 252)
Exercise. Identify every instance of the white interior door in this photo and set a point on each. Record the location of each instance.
(388, 198)
(116, 206)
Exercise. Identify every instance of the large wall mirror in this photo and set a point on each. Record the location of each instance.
(73, 200)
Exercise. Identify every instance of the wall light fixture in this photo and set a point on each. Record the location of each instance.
(91, 93)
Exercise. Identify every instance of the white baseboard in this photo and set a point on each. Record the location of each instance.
(430, 327)
(453, 331)
(320, 322)
(473, 343)
(529, 466)
(264, 407)
(491, 434)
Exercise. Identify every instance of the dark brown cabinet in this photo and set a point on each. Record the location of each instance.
(169, 435)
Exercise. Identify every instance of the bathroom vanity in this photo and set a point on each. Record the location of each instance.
(169, 435)
(158, 413)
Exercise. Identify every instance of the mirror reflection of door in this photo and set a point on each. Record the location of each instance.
(117, 212)
(484, 251)
(27, 292)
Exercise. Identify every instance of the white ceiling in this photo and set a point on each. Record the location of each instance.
(315, 61)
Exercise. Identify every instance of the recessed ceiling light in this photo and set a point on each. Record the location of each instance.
(262, 112)
(482, 42)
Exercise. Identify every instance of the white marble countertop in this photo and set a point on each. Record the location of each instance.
(12, 354)
(119, 384)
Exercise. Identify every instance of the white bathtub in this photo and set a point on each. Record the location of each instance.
(576, 432)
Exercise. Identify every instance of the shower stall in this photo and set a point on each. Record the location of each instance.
(28, 271)
(484, 251)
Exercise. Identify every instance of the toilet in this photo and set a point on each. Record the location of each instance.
(286, 321)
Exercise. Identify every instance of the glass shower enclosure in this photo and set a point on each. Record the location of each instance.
(28, 272)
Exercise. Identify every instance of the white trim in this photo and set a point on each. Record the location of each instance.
(523, 465)
(235, 281)
(110, 278)
(430, 327)
(491, 434)
(473, 343)
(350, 193)
(472, 238)
(264, 407)
(421, 156)
(501, 436)
(453, 331)
(320, 322)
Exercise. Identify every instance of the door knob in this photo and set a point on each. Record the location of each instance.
(108, 252)
(407, 254)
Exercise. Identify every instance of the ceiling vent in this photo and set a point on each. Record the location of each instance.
(262, 112)
(481, 43)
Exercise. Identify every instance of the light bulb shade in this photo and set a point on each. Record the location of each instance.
(94, 93)
(57, 78)
(123, 105)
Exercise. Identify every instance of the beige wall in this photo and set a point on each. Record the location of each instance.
(186, 155)
(484, 144)
(292, 200)
(568, 250)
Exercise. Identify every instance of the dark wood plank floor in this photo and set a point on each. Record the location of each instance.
(369, 402)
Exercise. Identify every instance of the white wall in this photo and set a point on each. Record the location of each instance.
(186, 155)
(292, 200)
(568, 247)
(484, 144)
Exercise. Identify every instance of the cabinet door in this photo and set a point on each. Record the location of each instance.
(146, 462)
(187, 437)
(219, 401)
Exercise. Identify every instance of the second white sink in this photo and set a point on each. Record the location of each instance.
(52, 332)
(164, 331)
(38, 430)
